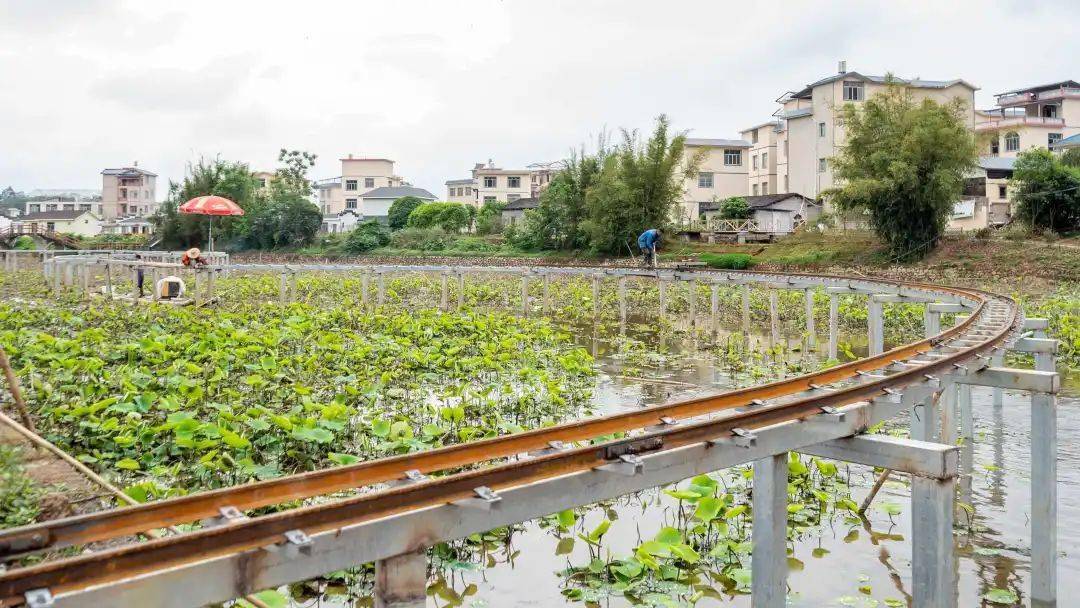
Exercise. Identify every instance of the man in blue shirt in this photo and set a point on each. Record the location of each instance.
(648, 242)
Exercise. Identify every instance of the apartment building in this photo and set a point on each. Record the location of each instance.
(59, 204)
(763, 170)
(811, 132)
(126, 192)
(358, 176)
(262, 180)
(490, 184)
(722, 174)
(1031, 117)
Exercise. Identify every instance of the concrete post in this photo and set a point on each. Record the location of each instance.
(461, 290)
(195, 283)
(444, 297)
(769, 557)
(108, 280)
(380, 290)
(525, 294)
(365, 280)
(546, 303)
(774, 320)
(834, 324)
(924, 417)
(86, 280)
(293, 290)
(692, 303)
(932, 560)
(998, 360)
(746, 309)
(283, 289)
(595, 297)
(875, 327)
(1044, 492)
(948, 405)
(622, 299)
(811, 331)
(714, 307)
(931, 322)
(401, 581)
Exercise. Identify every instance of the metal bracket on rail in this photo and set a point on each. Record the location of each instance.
(484, 499)
(665, 422)
(411, 476)
(227, 514)
(39, 598)
(627, 464)
(297, 541)
(741, 437)
(830, 414)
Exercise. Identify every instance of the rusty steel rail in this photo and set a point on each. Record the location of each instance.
(128, 561)
(121, 522)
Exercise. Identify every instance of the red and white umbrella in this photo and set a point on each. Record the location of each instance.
(211, 205)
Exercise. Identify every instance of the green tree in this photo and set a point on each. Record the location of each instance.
(735, 208)
(367, 236)
(904, 163)
(398, 214)
(215, 176)
(285, 216)
(1071, 157)
(452, 217)
(1047, 191)
(489, 218)
(638, 186)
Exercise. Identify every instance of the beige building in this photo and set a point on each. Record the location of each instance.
(722, 174)
(128, 192)
(358, 175)
(262, 180)
(812, 133)
(762, 172)
(63, 205)
(82, 223)
(1033, 117)
(490, 184)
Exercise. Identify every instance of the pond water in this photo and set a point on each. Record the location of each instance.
(867, 564)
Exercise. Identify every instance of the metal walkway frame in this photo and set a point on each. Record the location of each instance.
(823, 413)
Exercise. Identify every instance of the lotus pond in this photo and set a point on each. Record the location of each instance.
(167, 401)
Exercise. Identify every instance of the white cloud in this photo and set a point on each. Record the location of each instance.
(438, 86)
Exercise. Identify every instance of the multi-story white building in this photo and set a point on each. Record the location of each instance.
(722, 173)
(811, 132)
(763, 170)
(128, 192)
(490, 184)
(358, 175)
(1032, 117)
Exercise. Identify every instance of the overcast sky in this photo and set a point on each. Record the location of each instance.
(439, 85)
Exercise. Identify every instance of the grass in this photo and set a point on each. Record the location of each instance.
(19, 495)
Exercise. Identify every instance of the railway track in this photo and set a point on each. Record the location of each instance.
(480, 470)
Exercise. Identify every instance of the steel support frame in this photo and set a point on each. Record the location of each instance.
(222, 578)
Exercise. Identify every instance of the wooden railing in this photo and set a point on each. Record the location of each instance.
(718, 225)
(55, 237)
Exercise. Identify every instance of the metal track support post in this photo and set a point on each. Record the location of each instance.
(932, 561)
(875, 319)
(769, 557)
(924, 416)
(714, 308)
(948, 406)
(834, 324)
(1044, 492)
(774, 314)
(444, 291)
(931, 322)
(746, 309)
(811, 331)
(401, 581)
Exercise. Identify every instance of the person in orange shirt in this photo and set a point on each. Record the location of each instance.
(193, 257)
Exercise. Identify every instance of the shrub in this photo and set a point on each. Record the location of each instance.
(367, 236)
(983, 233)
(729, 261)
(25, 243)
(452, 217)
(400, 210)
(735, 208)
(420, 239)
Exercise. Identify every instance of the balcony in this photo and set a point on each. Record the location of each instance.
(1000, 122)
(1019, 99)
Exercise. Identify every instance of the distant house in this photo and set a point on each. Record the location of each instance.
(340, 222)
(129, 225)
(82, 223)
(774, 213)
(375, 204)
(514, 212)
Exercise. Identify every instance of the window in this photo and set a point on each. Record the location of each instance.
(853, 90)
(753, 190)
(369, 182)
(513, 182)
(732, 157)
(821, 129)
(490, 182)
(704, 180)
(754, 136)
(50, 226)
(1049, 111)
(350, 203)
(512, 197)
(1003, 192)
(765, 160)
(262, 182)
(822, 164)
(995, 146)
(753, 161)
(1012, 141)
(1052, 138)
(489, 199)
(350, 184)
(764, 187)
(50, 207)
(468, 190)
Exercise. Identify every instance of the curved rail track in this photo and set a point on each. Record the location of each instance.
(479, 470)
